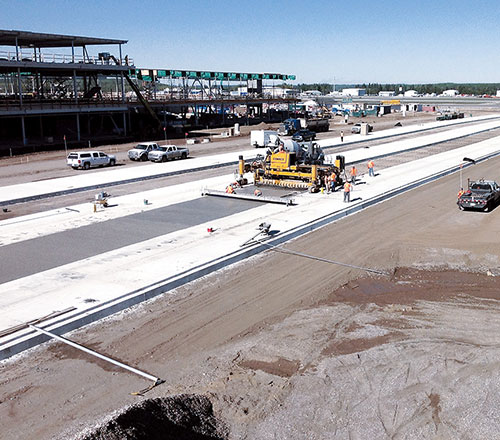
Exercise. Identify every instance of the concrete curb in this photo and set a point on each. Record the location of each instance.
(26, 339)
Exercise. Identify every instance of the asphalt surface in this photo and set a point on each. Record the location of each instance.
(47, 252)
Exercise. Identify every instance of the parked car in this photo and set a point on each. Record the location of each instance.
(88, 159)
(304, 136)
(167, 152)
(141, 151)
(356, 128)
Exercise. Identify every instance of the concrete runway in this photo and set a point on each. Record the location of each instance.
(43, 253)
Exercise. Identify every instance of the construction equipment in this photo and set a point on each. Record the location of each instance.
(291, 125)
(101, 199)
(264, 231)
(294, 165)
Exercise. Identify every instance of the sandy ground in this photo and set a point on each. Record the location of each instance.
(291, 348)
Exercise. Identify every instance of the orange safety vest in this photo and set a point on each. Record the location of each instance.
(229, 189)
(460, 193)
(371, 164)
(354, 171)
(333, 177)
(347, 187)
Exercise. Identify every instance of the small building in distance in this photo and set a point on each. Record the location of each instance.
(354, 92)
(386, 93)
(411, 93)
(451, 92)
(311, 93)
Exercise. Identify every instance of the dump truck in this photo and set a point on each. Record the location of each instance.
(317, 124)
(294, 165)
(292, 125)
(289, 126)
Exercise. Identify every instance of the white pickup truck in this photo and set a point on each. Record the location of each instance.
(88, 159)
(167, 152)
(141, 151)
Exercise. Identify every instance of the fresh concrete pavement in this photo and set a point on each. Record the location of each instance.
(124, 274)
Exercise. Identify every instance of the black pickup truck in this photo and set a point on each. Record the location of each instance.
(481, 194)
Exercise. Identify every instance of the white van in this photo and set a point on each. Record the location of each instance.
(87, 159)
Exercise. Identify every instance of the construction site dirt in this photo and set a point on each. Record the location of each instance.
(290, 348)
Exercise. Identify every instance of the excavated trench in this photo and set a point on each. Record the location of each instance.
(183, 417)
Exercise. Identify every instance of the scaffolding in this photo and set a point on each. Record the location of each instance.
(52, 87)
(40, 91)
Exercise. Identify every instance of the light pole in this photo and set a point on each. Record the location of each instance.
(65, 146)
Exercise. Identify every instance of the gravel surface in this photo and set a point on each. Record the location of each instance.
(183, 417)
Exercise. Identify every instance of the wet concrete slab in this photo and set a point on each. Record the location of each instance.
(43, 253)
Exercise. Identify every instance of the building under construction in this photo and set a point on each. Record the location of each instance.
(81, 89)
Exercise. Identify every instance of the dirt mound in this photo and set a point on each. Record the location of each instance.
(408, 285)
(183, 417)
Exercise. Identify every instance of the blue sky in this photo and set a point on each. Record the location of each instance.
(352, 41)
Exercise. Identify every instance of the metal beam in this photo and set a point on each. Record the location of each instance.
(23, 129)
(78, 127)
(155, 379)
(75, 87)
(19, 87)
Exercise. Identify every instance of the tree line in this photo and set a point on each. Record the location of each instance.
(374, 88)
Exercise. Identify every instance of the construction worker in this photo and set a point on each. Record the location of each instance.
(257, 193)
(347, 192)
(229, 189)
(353, 173)
(341, 136)
(371, 171)
(333, 180)
(460, 194)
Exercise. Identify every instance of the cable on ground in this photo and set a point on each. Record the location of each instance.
(324, 260)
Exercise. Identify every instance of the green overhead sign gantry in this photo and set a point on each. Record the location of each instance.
(153, 74)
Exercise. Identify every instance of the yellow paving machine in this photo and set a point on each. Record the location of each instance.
(294, 165)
